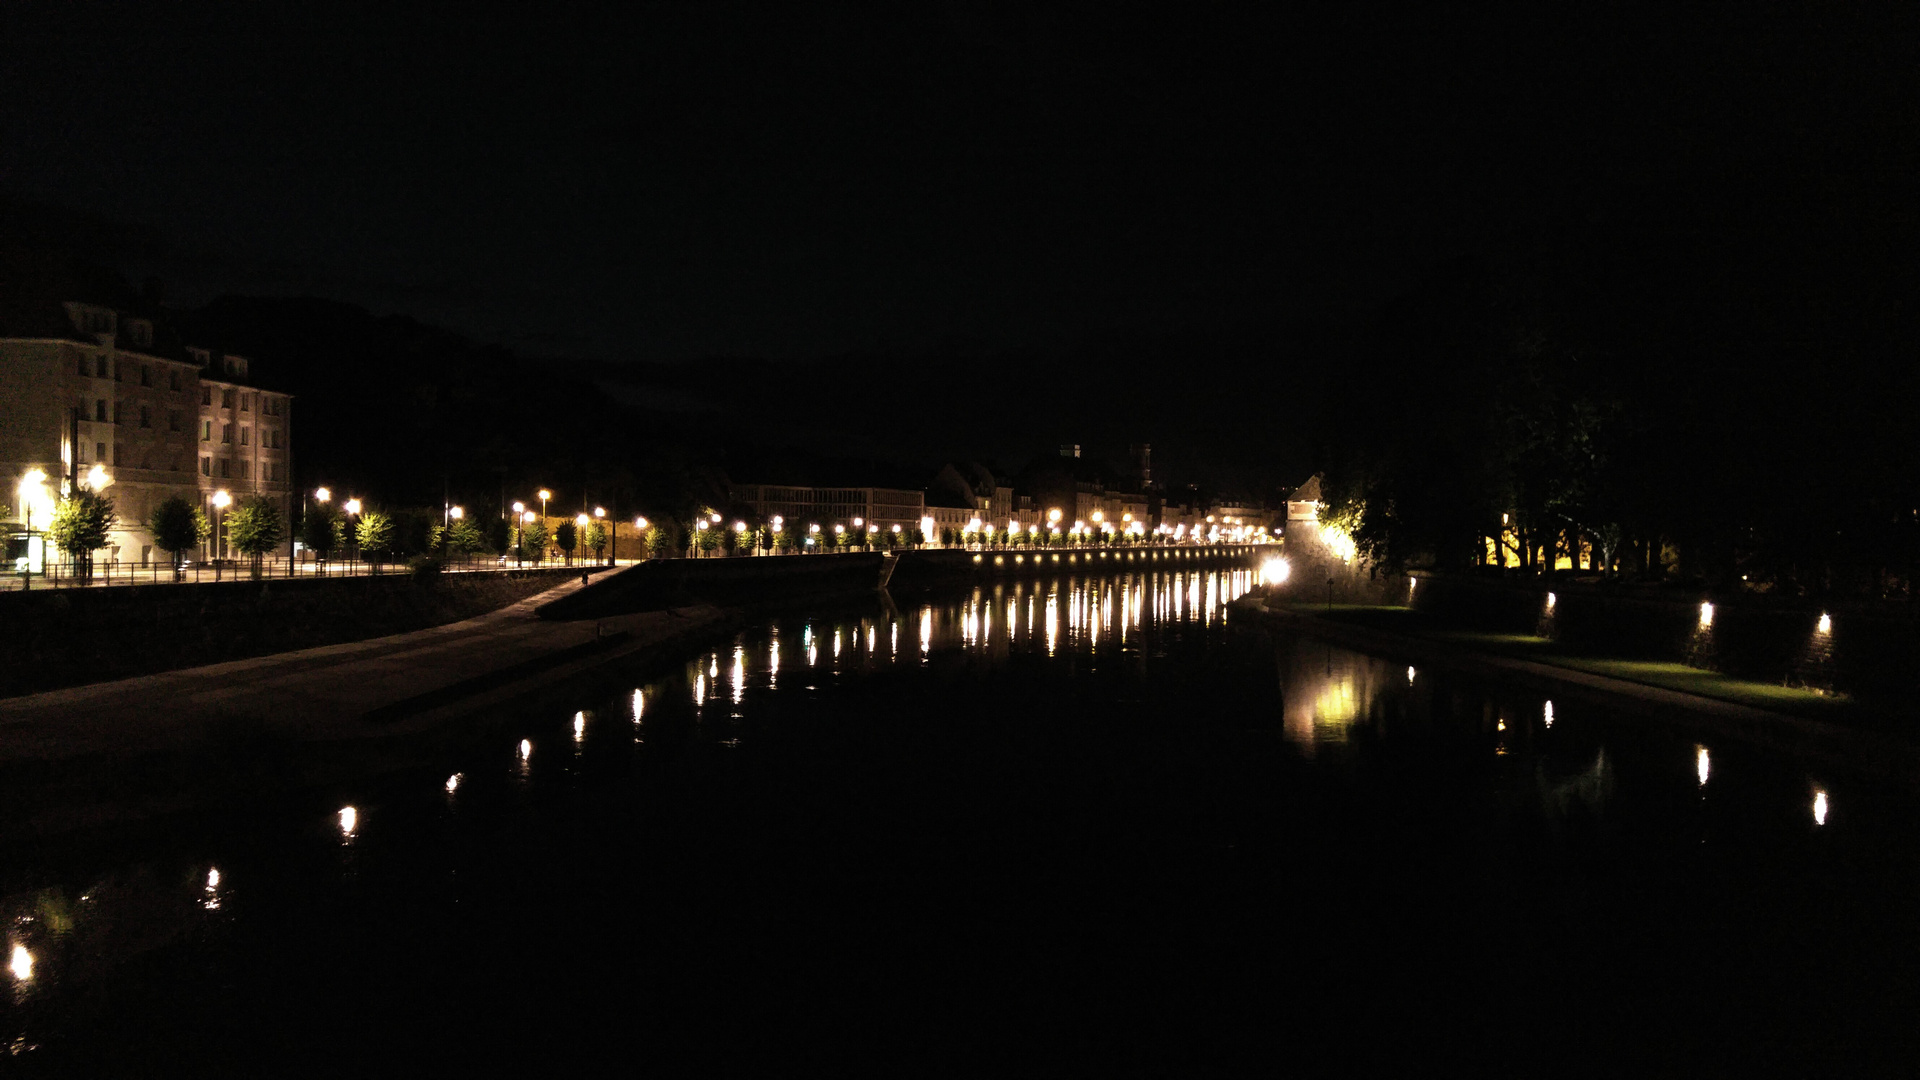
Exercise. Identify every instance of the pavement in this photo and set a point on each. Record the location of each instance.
(363, 690)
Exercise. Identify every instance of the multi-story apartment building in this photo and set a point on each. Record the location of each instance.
(85, 386)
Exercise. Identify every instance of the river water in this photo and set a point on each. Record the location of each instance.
(1083, 824)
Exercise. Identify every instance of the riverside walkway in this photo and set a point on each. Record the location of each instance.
(1868, 752)
(310, 703)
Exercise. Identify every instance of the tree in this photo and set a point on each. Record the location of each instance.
(322, 531)
(178, 527)
(659, 542)
(595, 540)
(375, 533)
(566, 537)
(534, 540)
(705, 540)
(80, 526)
(463, 539)
(255, 527)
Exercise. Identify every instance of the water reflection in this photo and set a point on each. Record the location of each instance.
(1333, 706)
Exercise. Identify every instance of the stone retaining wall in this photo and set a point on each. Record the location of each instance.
(66, 637)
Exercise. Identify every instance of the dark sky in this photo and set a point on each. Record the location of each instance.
(793, 181)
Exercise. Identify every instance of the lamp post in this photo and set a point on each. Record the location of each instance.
(639, 529)
(519, 535)
(544, 496)
(352, 507)
(32, 489)
(221, 500)
(454, 513)
(322, 496)
(613, 539)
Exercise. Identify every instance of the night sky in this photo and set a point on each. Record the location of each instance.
(796, 182)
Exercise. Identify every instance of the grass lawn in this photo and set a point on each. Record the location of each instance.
(1664, 674)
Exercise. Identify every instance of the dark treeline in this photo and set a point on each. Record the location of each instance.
(1711, 383)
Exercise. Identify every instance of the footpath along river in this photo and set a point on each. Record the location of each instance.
(1067, 825)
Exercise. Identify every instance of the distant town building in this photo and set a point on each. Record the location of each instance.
(86, 385)
(827, 506)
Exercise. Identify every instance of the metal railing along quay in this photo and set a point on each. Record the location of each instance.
(121, 574)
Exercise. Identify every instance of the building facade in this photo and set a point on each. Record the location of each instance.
(830, 506)
(94, 396)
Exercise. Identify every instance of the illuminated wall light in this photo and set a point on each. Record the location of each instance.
(1551, 600)
(349, 821)
(1706, 614)
(453, 783)
(21, 963)
(1826, 624)
(1702, 763)
(1819, 807)
(1547, 714)
(526, 749)
(1409, 675)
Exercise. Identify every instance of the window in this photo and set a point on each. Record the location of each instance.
(206, 466)
(206, 431)
(226, 433)
(99, 451)
(118, 407)
(226, 399)
(226, 469)
(100, 367)
(243, 436)
(119, 373)
(245, 400)
(146, 417)
(206, 395)
(100, 410)
(173, 419)
(146, 375)
(116, 456)
(246, 467)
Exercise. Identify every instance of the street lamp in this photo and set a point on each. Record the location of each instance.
(519, 535)
(32, 490)
(352, 507)
(459, 513)
(613, 537)
(544, 496)
(221, 500)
